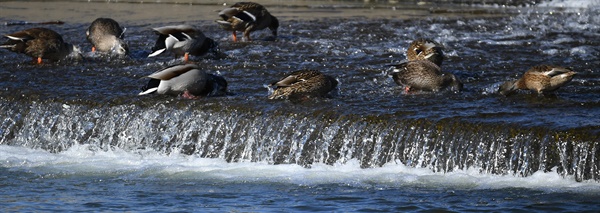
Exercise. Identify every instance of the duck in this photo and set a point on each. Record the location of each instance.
(182, 40)
(41, 43)
(541, 79)
(107, 36)
(186, 80)
(425, 49)
(424, 75)
(303, 84)
(247, 17)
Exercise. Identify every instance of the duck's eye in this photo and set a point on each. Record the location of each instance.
(418, 51)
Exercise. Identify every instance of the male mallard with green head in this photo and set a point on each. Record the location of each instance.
(106, 36)
(41, 43)
(247, 17)
(542, 79)
(303, 84)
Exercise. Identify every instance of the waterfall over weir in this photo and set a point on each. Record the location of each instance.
(304, 138)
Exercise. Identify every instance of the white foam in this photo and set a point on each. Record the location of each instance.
(570, 3)
(88, 160)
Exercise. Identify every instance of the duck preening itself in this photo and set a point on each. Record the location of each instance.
(424, 75)
(425, 49)
(541, 79)
(303, 84)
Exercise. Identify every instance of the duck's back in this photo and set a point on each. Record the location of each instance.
(37, 42)
(193, 81)
(421, 74)
(105, 26)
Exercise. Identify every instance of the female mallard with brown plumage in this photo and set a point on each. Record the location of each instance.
(422, 70)
(247, 17)
(424, 75)
(41, 43)
(542, 79)
(303, 84)
(106, 36)
(183, 40)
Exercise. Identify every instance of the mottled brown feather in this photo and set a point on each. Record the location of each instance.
(541, 79)
(424, 75)
(425, 49)
(263, 20)
(302, 84)
(39, 43)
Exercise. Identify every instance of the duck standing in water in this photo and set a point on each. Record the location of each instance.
(41, 43)
(247, 17)
(303, 84)
(106, 36)
(422, 70)
(187, 80)
(541, 79)
(183, 40)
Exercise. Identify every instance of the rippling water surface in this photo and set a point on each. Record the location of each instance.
(75, 135)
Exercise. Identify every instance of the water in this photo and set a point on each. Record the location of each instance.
(75, 136)
(83, 179)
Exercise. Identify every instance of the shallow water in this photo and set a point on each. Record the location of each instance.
(75, 134)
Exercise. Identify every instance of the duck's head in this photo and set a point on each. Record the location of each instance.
(507, 88)
(274, 25)
(74, 52)
(212, 46)
(453, 82)
(425, 49)
(120, 47)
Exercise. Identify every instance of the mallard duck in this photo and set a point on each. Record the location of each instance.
(303, 84)
(425, 49)
(183, 40)
(106, 35)
(247, 17)
(41, 43)
(187, 80)
(542, 79)
(424, 75)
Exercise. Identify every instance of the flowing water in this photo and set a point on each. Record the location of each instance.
(75, 136)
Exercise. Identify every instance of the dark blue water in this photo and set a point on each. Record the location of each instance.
(74, 135)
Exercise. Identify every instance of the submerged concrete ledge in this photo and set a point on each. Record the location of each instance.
(276, 136)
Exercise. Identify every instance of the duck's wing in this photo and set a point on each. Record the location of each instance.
(237, 13)
(34, 33)
(172, 72)
(176, 29)
(287, 81)
(557, 71)
(296, 76)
